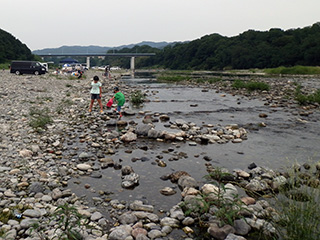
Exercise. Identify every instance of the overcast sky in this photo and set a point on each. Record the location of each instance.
(54, 23)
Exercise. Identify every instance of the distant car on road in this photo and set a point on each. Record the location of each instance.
(115, 68)
(27, 67)
(102, 68)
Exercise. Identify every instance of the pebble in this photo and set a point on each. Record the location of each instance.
(167, 191)
(83, 167)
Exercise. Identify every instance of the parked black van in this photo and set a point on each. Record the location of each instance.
(29, 67)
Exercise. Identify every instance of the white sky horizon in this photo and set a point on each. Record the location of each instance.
(110, 23)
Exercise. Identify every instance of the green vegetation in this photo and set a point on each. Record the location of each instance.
(4, 66)
(137, 97)
(299, 70)
(12, 49)
(63, 104)
(251, 86)
(304, 99)
(225, 209)
(172, 78)
(59, 77)
(298, 207)
(39, 118)
(71, 77)
(210, 80)
(179, 76)
(2, 233)
(68, 221)
(43, 100)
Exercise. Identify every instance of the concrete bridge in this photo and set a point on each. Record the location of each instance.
(88, 55)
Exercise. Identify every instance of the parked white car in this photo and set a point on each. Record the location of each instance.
(102, 68)
(115, 68)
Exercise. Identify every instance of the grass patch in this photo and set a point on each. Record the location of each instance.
(297, 206)
(226, 210)
(296, 70)
(4, 66)
(68, 224)
(214, 80)
(64, 104)
(71, 77)
(42, 100)
(137, 97)
(57, 76)
(304, 99)
(208, 80)
(39, 118)
(177, 78)
(251, 86)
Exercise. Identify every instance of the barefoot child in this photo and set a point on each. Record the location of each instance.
(96, 93)
(120, 100)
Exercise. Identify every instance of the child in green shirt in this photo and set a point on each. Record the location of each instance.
(120, 100)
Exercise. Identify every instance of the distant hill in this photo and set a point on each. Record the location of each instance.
(98, 49)
(250, 49)
(12, 49)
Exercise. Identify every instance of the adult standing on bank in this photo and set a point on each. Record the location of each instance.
(120, 100)
(96, 93)
(107, 73)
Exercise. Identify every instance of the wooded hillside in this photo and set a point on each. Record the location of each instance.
(12, 49)
(251, 49)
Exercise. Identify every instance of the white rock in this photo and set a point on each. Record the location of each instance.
(83, 166)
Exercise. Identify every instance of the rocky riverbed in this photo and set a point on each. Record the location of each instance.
(91, 153)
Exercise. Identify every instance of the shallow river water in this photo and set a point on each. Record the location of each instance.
(287, 138)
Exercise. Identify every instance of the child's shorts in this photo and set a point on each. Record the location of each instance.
(95, 96)
(119, 108)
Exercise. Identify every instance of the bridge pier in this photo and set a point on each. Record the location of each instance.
(132, 64)
(88, 62)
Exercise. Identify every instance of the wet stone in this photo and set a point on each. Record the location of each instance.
(167, 191)
(96, 175)
(252, 166)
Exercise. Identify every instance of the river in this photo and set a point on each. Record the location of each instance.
(286, 138)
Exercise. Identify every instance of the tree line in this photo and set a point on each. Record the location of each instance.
(12, 49)
(251, 49)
